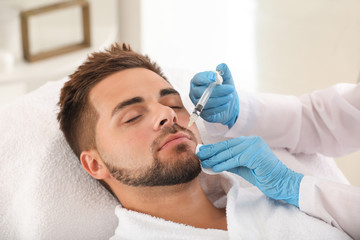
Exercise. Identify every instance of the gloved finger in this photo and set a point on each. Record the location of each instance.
(193, 99)
(255, 154)
(234, 153)
(213, 111)
(215, 102)
(212, 162)
(218, 105)
(231, 157)
(245, 173)
(207, 151)
(212, 118)
(222, 90)
(203, 78)
(197, 91)
(227, 77)
(224, 165)
(219, 90)
(208, 164)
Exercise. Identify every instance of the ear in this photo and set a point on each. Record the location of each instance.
(93, 164)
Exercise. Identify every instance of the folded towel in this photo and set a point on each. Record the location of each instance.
(45, 193)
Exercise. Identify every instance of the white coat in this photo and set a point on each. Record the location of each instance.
(325, 121)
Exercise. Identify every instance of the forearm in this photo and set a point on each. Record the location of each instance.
(325, 121)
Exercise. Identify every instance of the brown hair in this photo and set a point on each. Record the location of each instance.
(77, 116)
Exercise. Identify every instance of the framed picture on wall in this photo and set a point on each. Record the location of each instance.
(55, 29)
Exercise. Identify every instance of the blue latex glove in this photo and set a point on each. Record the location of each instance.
(252, 159)
(223, 104)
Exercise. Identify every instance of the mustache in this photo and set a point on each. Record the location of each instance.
(167, 131)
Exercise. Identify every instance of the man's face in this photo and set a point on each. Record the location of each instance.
(141, 134)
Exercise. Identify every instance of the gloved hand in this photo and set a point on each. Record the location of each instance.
(223, 104)
(252, 159)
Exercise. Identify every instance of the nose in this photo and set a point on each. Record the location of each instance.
(164, 116)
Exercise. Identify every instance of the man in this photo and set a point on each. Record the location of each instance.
(126, 123)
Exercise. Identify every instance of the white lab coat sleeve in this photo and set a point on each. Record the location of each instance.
(318, 197)
(325, 121)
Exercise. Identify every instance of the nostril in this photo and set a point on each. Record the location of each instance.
(163, 122)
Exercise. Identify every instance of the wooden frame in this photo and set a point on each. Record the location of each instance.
(25, 15)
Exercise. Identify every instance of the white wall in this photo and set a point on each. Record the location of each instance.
(282, 46)
(306, 45)
(201, 34)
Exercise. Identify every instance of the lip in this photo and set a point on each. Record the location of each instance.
(174, 138)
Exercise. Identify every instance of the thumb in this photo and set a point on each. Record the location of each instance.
(227, 77)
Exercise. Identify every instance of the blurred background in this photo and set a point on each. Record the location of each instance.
(276, 46)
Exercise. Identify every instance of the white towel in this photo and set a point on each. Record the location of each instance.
(250, 215)
(45, 193)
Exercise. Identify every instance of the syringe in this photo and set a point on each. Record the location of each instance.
(204, 98)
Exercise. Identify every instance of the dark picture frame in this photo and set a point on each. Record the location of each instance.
(25, 28)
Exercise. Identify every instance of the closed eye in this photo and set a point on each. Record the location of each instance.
(133, 119)
(176, 107)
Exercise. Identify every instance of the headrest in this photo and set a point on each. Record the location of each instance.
(45, 193)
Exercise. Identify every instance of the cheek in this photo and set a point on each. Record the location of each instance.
(183, 120)
(126, 149)
(139, 137)
(137, 146)
(196, 132)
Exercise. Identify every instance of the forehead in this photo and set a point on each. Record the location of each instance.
(124, 85)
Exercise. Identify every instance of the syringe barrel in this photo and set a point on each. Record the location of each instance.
(207, 93)
(204, 98)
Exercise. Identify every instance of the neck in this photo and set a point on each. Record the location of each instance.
(184, 203)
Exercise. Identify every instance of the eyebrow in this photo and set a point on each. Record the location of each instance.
(163, 92)
(126, 103)
(168, 91)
